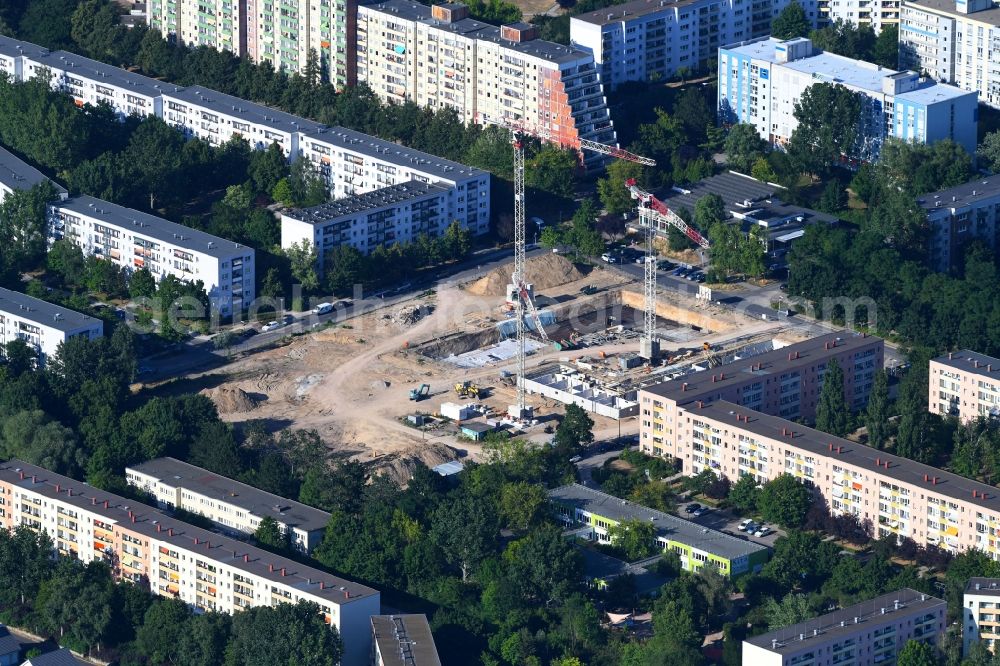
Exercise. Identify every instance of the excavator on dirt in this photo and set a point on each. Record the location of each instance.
(419, 394)
(467, 389)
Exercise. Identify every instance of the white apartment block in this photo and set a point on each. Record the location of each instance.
(43, 326)
(965, 384)
(650, 40)
(217, 24)
(216, 118)
(956, 42)
(870, 632)
(981, 614)
(876, 13)
(91, 82)
(14, 52)
(133, 239)
(236, 507)
(958, 215)
(761, 81)
(354, 163)
(16, 174)
(203, 568)
(438, 57)
(395, 214)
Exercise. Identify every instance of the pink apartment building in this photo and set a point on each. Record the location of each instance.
(965, 384)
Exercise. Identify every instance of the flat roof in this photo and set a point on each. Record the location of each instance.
(15, 47)
(60, 657)
(449, 468)
(235, 107)
(966, 194)
(832, 68)
(734, 189)
(969, 361)
(829, 626)
(45, 313)
(150, 225)
(672, 527)
(17, 174)
(405, 640)
(985, 587)
(631, 10)
(98, 72)
(990, 16)
(697, 384)
(8, 641)
(394, 153)
(818, 443)
(369, 201)
(230, 552)
(173, 472)
(539, 48)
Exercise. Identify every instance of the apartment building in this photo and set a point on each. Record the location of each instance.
(235, 507)
(956, 42)
(43, 326)
(216, 118)
(16, 174)
(217, 24)
(785, 382)
(650, 40)
(354, 163)
(965, 384)
(959, 215)
(205, 569)
(760, 83)
(871, 632)
(133, 239)
(980, 614)
(14, 52)
(874, 13)
(439, 58)
(579, 506)
(403, 640)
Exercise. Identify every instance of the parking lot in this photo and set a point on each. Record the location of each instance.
(724, 521)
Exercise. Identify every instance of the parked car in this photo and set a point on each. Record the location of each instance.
(691, 508)
(609, 258)
(750, 527)
(700, 511)
(270, 326)
(322, 308)
(762, 531)
(645, 259)
(700, 278)
(575, 459)
(745, 523)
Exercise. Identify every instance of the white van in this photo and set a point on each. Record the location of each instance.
(322, 308)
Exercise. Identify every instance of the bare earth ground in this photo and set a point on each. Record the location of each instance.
(351, 384)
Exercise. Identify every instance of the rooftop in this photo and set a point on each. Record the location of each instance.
(539, 48)
(874, 612)
(631, 10)
(8, 642)
(832, 68)
(672, 527)
(449, 468)
(15, 47)
(970, 361)
(735, 189)
(173, 472)
(822, 445)
(19, 175)
(151, 226)
(990, 16)
(713, 380)
(369, 201)
(966, 194)
(60, 657)
(405, 640)
(45, 313)
(97, 71)
(983, 586)
(157, 525)
(235, 107)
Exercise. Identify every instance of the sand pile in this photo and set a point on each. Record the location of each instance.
(544, 271)
(232, 400)
(399, 466)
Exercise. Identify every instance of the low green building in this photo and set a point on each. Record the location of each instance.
(696, 546)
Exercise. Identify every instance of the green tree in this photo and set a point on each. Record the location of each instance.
(339, 488)
(744, 147)
(546, 566)
(282, 192)
(762, 171)
(744, 494)
(989, 151)
(792, 609)
(465, 529)
(832, 413)
(304, 259)
(828, 118)
(270, 535)
(66, 260)
(551, 170)
(284, 634)
(342, 269)
(20, 357)
(615, 198)
(917, 653)
(203, 643)
(877, 412)
(574, 431)
(691, 110)
(23, 216)
(551, 237)
(456, 241)
(785, 501)
(522, 504)
(709, 211)
(790, 23)
(160, 634)
(886, 49)
(266, 168)
(32, 436)
(635, 538)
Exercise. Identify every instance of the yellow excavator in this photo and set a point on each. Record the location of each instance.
(467, 389)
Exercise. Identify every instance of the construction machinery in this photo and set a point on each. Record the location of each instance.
(467, 389)
(519, 286)
(420, 393)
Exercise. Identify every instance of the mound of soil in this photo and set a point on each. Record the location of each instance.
(544, 271)
(232, 400)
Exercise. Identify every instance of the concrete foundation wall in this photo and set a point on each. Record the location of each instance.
(682, 314)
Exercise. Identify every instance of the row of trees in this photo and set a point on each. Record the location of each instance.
(855, 41)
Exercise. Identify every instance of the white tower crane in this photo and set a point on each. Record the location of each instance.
(519, 286)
